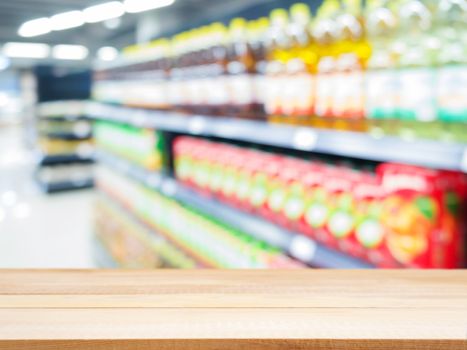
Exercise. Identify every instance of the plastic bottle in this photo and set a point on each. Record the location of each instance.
(416, 110)
(257, 31)
(277, 54)
(451, 79)
(240, 68)
(353, 52)
(324, 32)
(381, 87)
(298, 95)
(218, 95)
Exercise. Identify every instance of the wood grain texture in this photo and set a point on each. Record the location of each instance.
(212, 309)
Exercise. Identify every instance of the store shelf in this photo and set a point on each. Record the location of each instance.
(66, 118)
(69, 136)
(296, 245)
(429, 153)
(68, 185)
(58, 159)
(198, 260)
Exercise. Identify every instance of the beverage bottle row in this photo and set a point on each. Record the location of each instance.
(393, 67)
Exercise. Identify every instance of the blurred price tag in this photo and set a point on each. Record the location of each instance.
(463, 165)
(305, 139)
(302, 248)
(197, 125)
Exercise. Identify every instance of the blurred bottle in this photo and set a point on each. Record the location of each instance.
(451, 80)
(257, 32)
(353, 52)
(277, 56)
(416, 74)
(381, 77)
(325, 34)
(241, 67)
(298, 95)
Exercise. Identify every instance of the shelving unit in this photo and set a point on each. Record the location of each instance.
(443, 155)
(64, 122)
(296, 245)
(155, 243)
(51, 159)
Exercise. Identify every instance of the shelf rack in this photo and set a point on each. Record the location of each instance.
(58, 159)
(436, 154)
(294, 244)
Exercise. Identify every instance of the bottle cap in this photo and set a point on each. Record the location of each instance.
(279, 17)
(300, 13)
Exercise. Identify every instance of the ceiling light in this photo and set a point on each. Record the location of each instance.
(133, 6)
(67, 20)
(35, 27)
(103, 12)
(107, 53)
(69, 52)
(26, 50)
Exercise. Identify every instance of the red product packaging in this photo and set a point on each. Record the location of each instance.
(368, 241)
(295, 196)
(315, 212)
(342, 216)
(421, 230)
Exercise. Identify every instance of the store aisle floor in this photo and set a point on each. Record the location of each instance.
(39, 230)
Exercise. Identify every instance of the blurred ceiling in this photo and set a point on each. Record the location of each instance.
(13, 13)
(141, 27)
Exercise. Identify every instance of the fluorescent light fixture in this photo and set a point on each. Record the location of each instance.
(69, 52)
(35, 27)
(103, 12)
(26, 50)
(134, 6)
(67, 20)
(107, 53)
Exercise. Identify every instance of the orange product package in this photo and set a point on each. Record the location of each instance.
(421, 214)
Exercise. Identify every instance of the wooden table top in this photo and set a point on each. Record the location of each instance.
(213, 309)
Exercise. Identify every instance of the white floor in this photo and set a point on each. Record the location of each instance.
(39, 230)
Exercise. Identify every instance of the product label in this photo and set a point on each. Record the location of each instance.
(219, 91)
(260, 86)
(316, 215)
(274, 93)
(242, 89)
(297, 94)
(451, 93)
(381, 90)
(304, 97)
(325, 85)
(348, 94)
(417, 94)
(370, 233)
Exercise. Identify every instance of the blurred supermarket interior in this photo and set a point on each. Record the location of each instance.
(233, 134)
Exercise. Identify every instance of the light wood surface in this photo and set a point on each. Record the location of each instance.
(212, 309)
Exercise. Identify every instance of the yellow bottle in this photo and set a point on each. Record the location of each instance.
(299, 93)
(324, 32)
(277, 54)
(353, 51)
